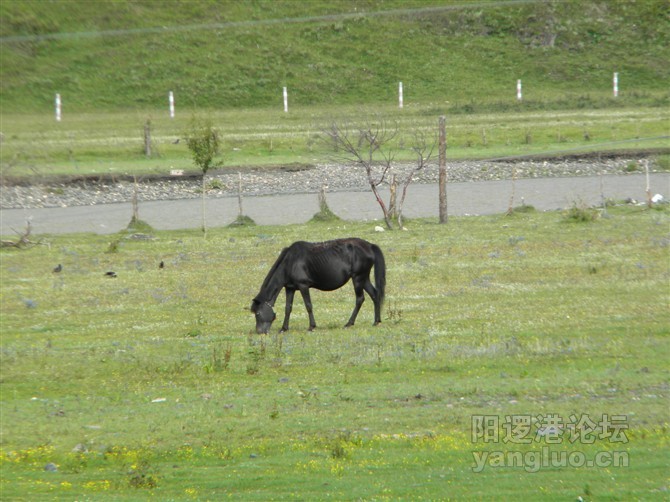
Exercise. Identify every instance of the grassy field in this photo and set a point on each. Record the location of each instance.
(151, 384)
(114, 63)
(36, 147)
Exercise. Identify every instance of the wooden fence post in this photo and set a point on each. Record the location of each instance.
(239, 196)
(443, 169)
(147, 138)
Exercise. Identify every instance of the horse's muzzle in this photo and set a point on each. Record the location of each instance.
(263, 328)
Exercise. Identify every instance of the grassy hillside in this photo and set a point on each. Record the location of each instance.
(460, 56)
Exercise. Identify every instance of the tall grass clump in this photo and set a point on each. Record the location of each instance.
(325, 214)
(579, 213)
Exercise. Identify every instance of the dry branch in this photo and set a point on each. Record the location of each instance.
(23, 241)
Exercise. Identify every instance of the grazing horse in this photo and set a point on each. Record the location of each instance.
(326, 266)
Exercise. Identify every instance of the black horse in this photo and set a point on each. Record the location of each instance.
(326, 266)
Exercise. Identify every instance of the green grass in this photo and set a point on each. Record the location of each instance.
(156, 375)
(125, 54)
(151, 385)
(115, 62)
(36, 147)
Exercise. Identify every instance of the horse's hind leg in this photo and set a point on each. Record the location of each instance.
(360, 298)
(372, 291)
(308, 305)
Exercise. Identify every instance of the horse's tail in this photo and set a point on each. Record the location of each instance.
(380, 272)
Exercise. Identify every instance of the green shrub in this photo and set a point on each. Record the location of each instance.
(215, 184)
(203, 142)
(243, 221)
(580, 214)
(136, 225)
(324, 214)
(522, 209)
(662, 163)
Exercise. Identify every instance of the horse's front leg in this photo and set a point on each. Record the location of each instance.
(308, 305)
(287, 309)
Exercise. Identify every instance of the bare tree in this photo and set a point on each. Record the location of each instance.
(372, 146)
(367, 146)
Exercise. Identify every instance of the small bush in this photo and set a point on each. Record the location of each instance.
(55, 190)
(631, 167)
(522, 209)
(324, 214)
(342, 446)
(215, 184)
(219, 359)
(141, 476)
(662, 163)
(243, 221)
(580, 214)
(113, 247)
(139, 226)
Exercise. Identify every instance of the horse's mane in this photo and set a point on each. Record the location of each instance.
(274, 268)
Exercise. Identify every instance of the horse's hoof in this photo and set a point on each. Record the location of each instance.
(311, 328)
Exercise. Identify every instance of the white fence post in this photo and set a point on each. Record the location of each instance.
(58, 108)
(400, 94)
(518, 90)
(285, 100)
(615, 84)
(171, 99)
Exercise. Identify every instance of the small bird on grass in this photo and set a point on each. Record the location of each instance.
(110, 274)
(58, 269)
(161, 264)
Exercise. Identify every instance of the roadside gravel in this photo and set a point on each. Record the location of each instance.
(336, 177)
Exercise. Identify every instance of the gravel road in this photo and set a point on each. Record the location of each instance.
(284, 197)
(336, 177)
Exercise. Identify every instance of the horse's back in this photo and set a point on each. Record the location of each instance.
(351, 250)
(328, 265)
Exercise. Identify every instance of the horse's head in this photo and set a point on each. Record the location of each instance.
(265, 315)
